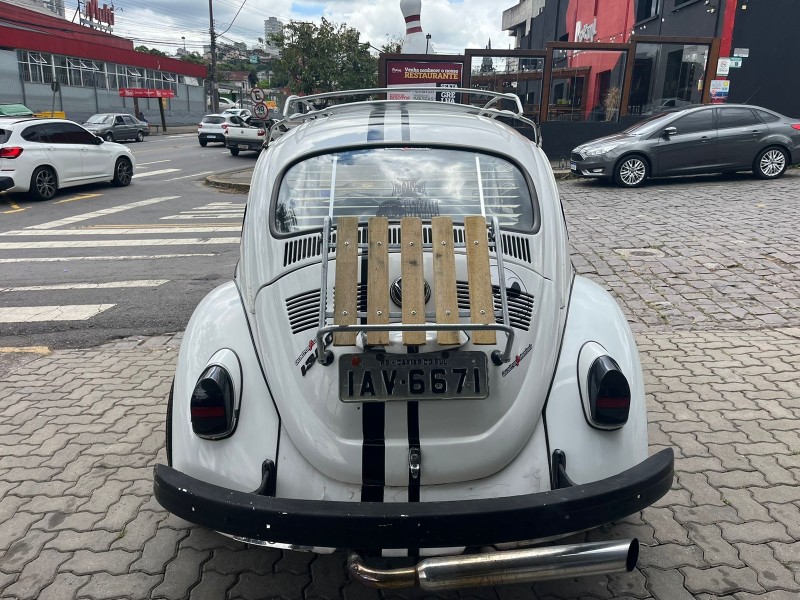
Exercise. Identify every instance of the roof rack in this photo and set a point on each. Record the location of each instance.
(299, 109)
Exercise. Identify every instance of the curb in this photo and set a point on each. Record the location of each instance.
(219, 181)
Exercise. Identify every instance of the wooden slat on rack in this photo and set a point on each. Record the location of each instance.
(378, 280)
(345, 309)
(444, 278)
(413, 279)
(481, 298)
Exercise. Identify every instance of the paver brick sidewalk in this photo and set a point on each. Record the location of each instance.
(80, 431)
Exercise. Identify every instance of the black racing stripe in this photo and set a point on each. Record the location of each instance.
(377, 125)
(405, 124)
(373, 419)
(373, 456)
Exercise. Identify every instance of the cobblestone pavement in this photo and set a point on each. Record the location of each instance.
(81, 429)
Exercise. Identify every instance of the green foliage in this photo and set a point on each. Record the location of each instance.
(154, 51)
(323, 58)
(393, 45)
(193, 57)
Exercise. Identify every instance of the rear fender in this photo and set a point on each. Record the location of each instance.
(219, 323)
(592, 453)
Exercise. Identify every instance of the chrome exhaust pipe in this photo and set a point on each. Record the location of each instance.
(497, 568)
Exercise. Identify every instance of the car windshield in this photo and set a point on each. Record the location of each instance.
(97, 119)
(214, 120)
(403, 182)
(651, 125)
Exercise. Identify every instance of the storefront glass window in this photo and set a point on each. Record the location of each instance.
(35, 66)
(509, 75)
(667, 76)
(586, 85)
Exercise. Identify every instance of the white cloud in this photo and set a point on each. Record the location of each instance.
(453, 24)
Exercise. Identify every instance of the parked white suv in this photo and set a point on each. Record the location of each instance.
(212, 127)
(43, 155)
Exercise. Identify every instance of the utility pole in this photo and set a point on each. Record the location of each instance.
(213, 74)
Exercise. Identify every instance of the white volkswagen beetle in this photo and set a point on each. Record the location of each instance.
(406, 364)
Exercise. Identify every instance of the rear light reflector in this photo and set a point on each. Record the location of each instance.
(10, 152)
(212, 405)
(609, 393)
(796, 126)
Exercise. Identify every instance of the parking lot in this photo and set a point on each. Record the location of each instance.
(707, 271)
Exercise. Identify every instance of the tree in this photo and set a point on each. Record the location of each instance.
(154, 51)
(393, 45)
(193, 57)
(323, 58)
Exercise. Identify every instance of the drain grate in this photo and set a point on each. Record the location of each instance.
(639, 252)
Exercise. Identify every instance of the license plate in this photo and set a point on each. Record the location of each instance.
(380, 376)
(243, 147)
(573, 166)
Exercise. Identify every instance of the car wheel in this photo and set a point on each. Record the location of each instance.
(169, 424)
(140, 137)
(44, 184)
(234, 151)
(109, 137)
(631, 171)
(203, 143)
(771, 163)
(123, 172)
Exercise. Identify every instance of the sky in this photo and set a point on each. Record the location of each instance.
(453, 24)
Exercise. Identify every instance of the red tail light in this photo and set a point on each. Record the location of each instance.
(199, 125)
(225, 126)
(261, 133)
(609, 393)
(212, 405)
(11, 152)
(796, 126)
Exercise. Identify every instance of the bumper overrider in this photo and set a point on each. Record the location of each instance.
(372, 526)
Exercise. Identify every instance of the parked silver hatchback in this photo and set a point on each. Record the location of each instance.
(699, 139)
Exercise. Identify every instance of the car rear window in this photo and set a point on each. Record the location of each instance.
(214, 120)
(403, 182)
(4, 135)
(767, 117)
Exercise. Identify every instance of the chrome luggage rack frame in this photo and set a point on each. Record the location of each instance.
(299, 109)
(325, 357)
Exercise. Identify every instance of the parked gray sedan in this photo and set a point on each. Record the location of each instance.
(699, 139)
(114, 127)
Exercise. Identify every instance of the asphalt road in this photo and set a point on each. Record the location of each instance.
(98, 262)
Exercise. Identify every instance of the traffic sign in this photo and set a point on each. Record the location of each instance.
(260, 110)
(257, 94)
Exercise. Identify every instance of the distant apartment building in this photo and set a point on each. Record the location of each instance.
(272, 26)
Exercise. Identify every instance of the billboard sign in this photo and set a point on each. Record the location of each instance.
(145, 93)
(434, 75)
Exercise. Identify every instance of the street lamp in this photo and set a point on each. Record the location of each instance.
(427, 41)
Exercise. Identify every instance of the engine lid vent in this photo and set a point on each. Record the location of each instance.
(516, 246)
(520, 304)
(303, 311)
(298, 249)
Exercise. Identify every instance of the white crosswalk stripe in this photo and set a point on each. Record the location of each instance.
(214, 210)
(53, 240)
(151, 173)
(67, 312)
(110, 285)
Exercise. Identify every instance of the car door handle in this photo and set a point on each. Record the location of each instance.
(755, 132)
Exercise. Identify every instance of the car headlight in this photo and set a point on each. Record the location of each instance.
(600, 150)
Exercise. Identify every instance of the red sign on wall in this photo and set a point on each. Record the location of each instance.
(145, 93)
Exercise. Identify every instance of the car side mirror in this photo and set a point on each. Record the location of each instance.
(98, 140)
(668, 131)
